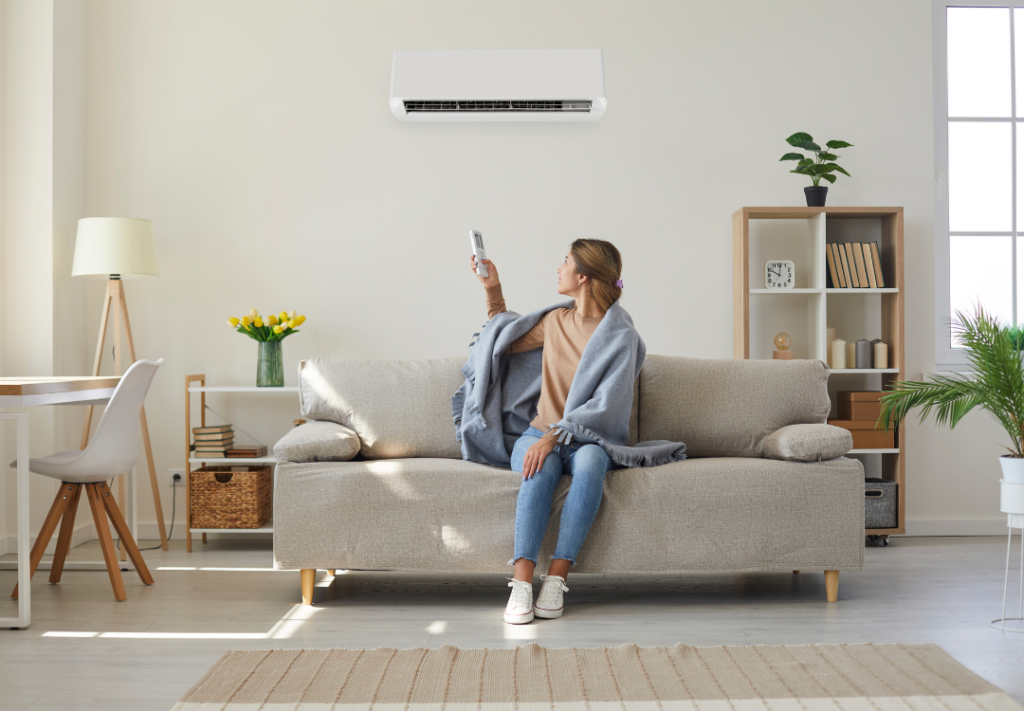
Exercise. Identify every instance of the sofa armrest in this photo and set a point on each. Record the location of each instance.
(317, 441)
(807, 443)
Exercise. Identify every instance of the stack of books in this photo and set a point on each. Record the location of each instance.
(854, 265)
(212, 442)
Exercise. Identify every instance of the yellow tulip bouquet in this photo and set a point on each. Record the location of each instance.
(273, 328)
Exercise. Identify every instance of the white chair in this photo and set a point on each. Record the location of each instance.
(114, 449)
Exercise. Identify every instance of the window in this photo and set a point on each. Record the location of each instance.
(979, 75)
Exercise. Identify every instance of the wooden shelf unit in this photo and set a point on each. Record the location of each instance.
(814, 306)
(201, 389)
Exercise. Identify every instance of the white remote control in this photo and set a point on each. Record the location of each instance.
(477, 242)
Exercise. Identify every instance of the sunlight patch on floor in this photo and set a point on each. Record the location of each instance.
(282, 629)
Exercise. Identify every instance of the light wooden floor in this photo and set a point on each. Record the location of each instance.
(144, 653)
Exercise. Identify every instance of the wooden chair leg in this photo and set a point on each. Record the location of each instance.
(124, 535)
(99, 517)
(67, 530)
(308, 583)
(832, 585)
(60, 503)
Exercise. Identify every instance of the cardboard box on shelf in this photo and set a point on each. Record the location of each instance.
(865, 436)
(858, 405)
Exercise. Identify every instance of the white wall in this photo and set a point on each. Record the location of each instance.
(257, 136)
(43, 159)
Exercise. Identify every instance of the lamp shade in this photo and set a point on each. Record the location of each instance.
(115, 245)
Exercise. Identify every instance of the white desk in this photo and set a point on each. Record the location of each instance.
(32, 392)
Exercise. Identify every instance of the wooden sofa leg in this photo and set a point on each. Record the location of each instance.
(308, 583)
(330, 571)
(832, 585)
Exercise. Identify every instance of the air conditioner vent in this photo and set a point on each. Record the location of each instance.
(497, 106)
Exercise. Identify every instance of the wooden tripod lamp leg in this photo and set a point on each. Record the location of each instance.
(157, 503)
(104, 316)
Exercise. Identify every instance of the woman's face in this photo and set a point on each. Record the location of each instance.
(569, 280)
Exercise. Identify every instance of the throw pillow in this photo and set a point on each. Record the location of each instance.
(807, 443)
(317, 442)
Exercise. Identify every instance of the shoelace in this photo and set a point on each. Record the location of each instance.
(547, 591)
(522, 593)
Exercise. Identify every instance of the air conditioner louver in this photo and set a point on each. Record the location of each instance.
(468, 106)
(498, 85)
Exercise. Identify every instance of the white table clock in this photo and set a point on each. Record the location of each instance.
(778, 274)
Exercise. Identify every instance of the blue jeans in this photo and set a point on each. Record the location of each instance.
(587, 465)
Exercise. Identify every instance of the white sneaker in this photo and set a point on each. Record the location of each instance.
(549, 602)
(519, 610)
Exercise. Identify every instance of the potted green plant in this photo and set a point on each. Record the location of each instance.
(996, 385)
(822, 165)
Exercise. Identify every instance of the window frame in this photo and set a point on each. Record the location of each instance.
(947, 357)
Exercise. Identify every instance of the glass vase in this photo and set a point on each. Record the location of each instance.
(270, 366)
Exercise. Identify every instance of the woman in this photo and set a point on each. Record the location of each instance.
(590, 275)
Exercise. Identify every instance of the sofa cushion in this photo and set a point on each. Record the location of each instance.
(399, 408)
(726, 408)
(808, 443)
(714, 514)
(317, 442)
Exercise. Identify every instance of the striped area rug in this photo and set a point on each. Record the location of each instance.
(859, 677)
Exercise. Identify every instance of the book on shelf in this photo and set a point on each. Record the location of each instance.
(878, 266)
(833, 275)
(214, 447)
(839, 265)
(247, 452)
(858, 265)
(851, 266)
(869, 266)
(214, 436)
(212, 429)
(858, 257)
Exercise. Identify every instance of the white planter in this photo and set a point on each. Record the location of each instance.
(1013, 469)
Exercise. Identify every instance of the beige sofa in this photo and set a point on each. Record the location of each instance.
(409, 502)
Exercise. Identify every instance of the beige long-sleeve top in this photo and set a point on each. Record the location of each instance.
(563, 334)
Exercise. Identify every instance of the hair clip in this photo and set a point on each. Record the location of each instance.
(618, 283)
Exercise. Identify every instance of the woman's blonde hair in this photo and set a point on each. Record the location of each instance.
(602, 262)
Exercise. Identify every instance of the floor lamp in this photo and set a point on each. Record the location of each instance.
(116, 248)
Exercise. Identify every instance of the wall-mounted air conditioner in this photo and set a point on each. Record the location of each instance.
(498, 85)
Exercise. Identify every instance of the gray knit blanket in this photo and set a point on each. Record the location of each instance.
(498, 400)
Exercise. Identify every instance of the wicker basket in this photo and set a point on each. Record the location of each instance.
(231, 497)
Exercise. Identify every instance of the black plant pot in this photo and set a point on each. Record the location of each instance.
(816, 195)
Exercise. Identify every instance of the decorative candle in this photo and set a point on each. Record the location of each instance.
(851, 355)
(838, 354)
(881, 355)
(863, 357)
(829, 337)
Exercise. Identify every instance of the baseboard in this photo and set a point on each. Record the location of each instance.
(82, 533)
(957, 527)
(146, 532)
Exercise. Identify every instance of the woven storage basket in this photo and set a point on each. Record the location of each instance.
(231, 497)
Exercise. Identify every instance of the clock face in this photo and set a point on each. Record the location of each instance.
(778, 274)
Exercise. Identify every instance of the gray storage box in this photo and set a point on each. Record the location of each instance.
(879, 503)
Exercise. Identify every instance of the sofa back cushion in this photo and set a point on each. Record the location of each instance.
(726, 408)
(399, 408)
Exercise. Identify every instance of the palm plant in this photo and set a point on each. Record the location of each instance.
(996, 384)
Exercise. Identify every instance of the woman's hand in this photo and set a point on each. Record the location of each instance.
(492, 271)
(535, 456)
